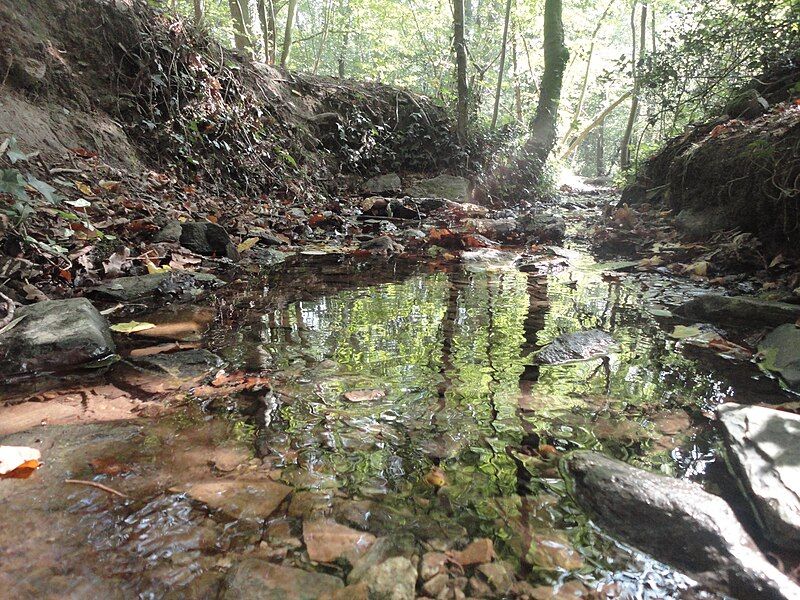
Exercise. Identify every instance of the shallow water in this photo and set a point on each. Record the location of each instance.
(445, 360)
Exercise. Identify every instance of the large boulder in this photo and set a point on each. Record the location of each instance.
(175, 284)
(383, 184)
(738, 310)
(55, 335)
(450, 187)
(780, 351)
(679, 523)
(763, 451)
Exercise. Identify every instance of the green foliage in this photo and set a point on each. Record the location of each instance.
(17, 185)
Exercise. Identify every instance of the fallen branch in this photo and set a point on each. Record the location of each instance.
(99, 486)
(9, 310)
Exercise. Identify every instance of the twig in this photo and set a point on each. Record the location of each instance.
(9, 310)
(99, 486)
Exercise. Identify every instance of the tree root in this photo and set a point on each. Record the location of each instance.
(9, 310)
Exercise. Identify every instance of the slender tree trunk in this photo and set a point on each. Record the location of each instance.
(502, 65)
(345, 9)
(573, 125)
(462, 100)
(326, 20)
(199, 11)
(597, 121)
(265, 31)
(599, 157)
(287, 34)
(240, 13)
(625, 151)
(515, 74)
(556, 56)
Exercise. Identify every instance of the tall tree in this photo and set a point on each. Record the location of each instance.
(242, 22)
(462, 91)
(287, 33)
(199, 10)
(326, 21)
(266, 15)
(502, 65)
(625, 145)
(543, 128)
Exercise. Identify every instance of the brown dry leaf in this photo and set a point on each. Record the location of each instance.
(247, 244)
(113, 266)
(162, 349)
(699, 268)
(83, 188)
(20, 459)
(364, 395)
(34, 293)
(776, 261)
(109, 186)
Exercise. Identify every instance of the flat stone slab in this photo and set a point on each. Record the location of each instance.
(780, 351)
(739, 310)
(576, 347)
(239, 498)
(383, 184)
(450, 187)
(763, 447)
(257, 579)
(137, 287)
(55, 335)
(327, 541)
(679, 523)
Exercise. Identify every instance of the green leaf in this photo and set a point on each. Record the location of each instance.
(131, 327)
(682, 332)
(11, 182)
(14, 153)
(47, 191)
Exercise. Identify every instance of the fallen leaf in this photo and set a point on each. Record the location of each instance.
(83, 188)
(16, 457)
(247, 244)
(131, 327)
(109, 186)
(154, 270)
(435, 477)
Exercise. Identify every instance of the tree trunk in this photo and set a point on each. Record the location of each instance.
(599, 157)
(597, 121)
(199, 11)
(240, 13)
(556, 56)
(326, 20)
(625, 151)
(462, 101)
(502, 65)
(515, 74)
(287, 34)
(265, 33)
(573, 125)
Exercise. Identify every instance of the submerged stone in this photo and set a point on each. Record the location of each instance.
(257, 579)
(239, 498)
(575, 347)
(382, 550)
(174, 283)
(327, 541)
(739, 310)
(780, 350)
(394, 579)
(679, 523)
(55, 335)
(763, 446)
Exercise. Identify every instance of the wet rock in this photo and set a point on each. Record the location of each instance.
(479, 551)
(499, 576)
(435, 585)
(55, 335)
(432, 564)
(495, 229)
(257, 579)
(780, 350)
(359, 591)
(478, 588)
(327, 541)
(575, 347)
(239, 498)
(764, 453)
(545, 227)
(227, 459)
(208, 239)
(184, 365)
(679, 523)
(394, 579)
(138, 287)
(308, 504)
(382, 550)
(171, 232)
(553, 552)
(739, 310)
(382, 245)
(383, 184)
(449, 187)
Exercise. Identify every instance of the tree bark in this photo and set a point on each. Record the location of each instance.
(326, 20)
(462, 100)
(287, 34)
(502, 65)
(599, 154)
(543, 128)
(266, 15)
(240, 13)
(625, 151)
(515, 74)
(199, 11)
(573, 125)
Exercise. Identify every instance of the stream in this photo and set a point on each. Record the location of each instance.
(398, 399)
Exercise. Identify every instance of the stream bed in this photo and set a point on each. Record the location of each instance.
(358, 401)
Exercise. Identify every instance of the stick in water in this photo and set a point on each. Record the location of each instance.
(99, 486)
